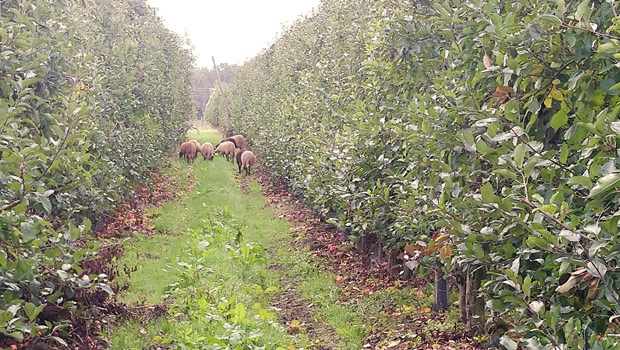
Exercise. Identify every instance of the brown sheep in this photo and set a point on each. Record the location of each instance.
(238, 156)
(228, 139)
(207, 151)
(239, 141)
(247, 160)
(188, 150)
(198, 146)
(226, 148)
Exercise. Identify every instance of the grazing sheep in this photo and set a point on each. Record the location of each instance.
(239, 141)
(228, 139)
(207, 151)
(247, 160)
(238, 156)
(188, 150)
(198, 146)
(227, 148)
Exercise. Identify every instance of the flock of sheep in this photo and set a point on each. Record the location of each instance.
(245, 158)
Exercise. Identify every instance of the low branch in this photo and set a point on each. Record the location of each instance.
(599, 34)
(555, 220)
(22, 195)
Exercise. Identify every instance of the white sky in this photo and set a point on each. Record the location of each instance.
(230, 30)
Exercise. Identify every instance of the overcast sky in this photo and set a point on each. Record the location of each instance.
(230, 30)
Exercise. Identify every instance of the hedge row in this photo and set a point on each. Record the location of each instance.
(479, 137)
(92, 95)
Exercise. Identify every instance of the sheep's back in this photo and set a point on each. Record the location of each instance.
(188, 148)
(197, 144)
(239, 141)
(239, 155)
(247, 159)
(207, 148)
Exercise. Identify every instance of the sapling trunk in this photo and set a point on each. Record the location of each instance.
(475, 303)
(440, 296)
(461, 283)
(392, 263)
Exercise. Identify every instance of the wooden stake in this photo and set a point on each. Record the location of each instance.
(219, 80)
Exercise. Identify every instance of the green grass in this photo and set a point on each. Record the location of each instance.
(215, 186)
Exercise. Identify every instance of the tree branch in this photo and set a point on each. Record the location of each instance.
(599, 34)
(22, 169)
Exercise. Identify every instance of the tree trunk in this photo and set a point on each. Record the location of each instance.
(460, 282)
(378, 253)
(440, 296)
(474, 302)
(407, 273)
(362, 244)
(393, 265)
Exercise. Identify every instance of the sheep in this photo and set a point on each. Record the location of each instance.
(227, 148)
(207, 151)
(188, 150)
(228, 139)
(239, 141)
(238, 156)
(247, 160)
(198, 146)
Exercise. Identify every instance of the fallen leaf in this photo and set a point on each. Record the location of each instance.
(393, 343)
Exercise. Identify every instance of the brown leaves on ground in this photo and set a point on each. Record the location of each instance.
(130, 216)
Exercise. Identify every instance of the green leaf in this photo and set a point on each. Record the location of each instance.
(607, 47)
(511, 111)
(615, 87)
(604, 184)
(45, 202)
(33, 311)
(527, 286)
(583, 11)
(74, 232)
(549, 208)
(468, 137)
(29, 230)
(488, 193)
(550, 19)
(580, 180)
(518, 154)
(559, 119)
(478, 252)
(426, 127)
(87, 225)
(564, 153)
(5, 316)
(506, 173)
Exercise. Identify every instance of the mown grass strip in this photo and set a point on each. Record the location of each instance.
(215, 187)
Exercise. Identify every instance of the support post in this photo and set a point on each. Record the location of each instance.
(219, 80)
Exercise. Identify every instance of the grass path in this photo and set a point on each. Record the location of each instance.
(279, 298)
(215, 187)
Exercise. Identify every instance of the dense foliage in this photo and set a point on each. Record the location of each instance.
(92, 94)
(481, 136)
